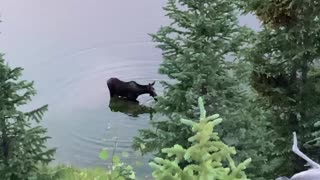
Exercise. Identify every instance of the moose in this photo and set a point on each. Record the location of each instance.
(130, 90)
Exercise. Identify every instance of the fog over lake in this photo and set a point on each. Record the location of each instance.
(70, 48)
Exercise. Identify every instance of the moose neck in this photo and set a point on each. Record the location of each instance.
(143, 89)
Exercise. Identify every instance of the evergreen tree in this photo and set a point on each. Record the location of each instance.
(284, 54)
(196, 48)
(22, 144)
(210, 158)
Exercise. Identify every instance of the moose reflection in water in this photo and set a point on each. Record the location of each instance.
(129, 90)
(130, 108)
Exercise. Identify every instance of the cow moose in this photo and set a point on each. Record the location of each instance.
(129, 90)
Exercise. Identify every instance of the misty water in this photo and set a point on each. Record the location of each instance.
(70, 48)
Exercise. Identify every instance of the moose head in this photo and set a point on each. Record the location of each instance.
(151, 90)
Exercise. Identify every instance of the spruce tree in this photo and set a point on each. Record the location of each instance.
(194, 48)
(210, 158)
(22, 143)
(198, 51)
(284, 54)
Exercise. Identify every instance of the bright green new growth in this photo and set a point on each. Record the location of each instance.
(207, 155)
(119, 170)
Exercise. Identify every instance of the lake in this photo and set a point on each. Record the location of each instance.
(70, 48)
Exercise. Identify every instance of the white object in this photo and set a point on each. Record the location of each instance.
(311, 174)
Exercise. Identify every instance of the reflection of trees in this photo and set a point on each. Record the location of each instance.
(129, 108)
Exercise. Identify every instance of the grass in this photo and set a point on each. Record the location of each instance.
(63, 172)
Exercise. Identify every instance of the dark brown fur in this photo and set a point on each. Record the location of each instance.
(129, 90)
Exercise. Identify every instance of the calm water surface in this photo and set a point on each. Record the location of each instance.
(70, 48)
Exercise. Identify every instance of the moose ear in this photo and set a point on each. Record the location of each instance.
(153, 83)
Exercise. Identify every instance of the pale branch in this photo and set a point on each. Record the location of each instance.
(297, 151)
